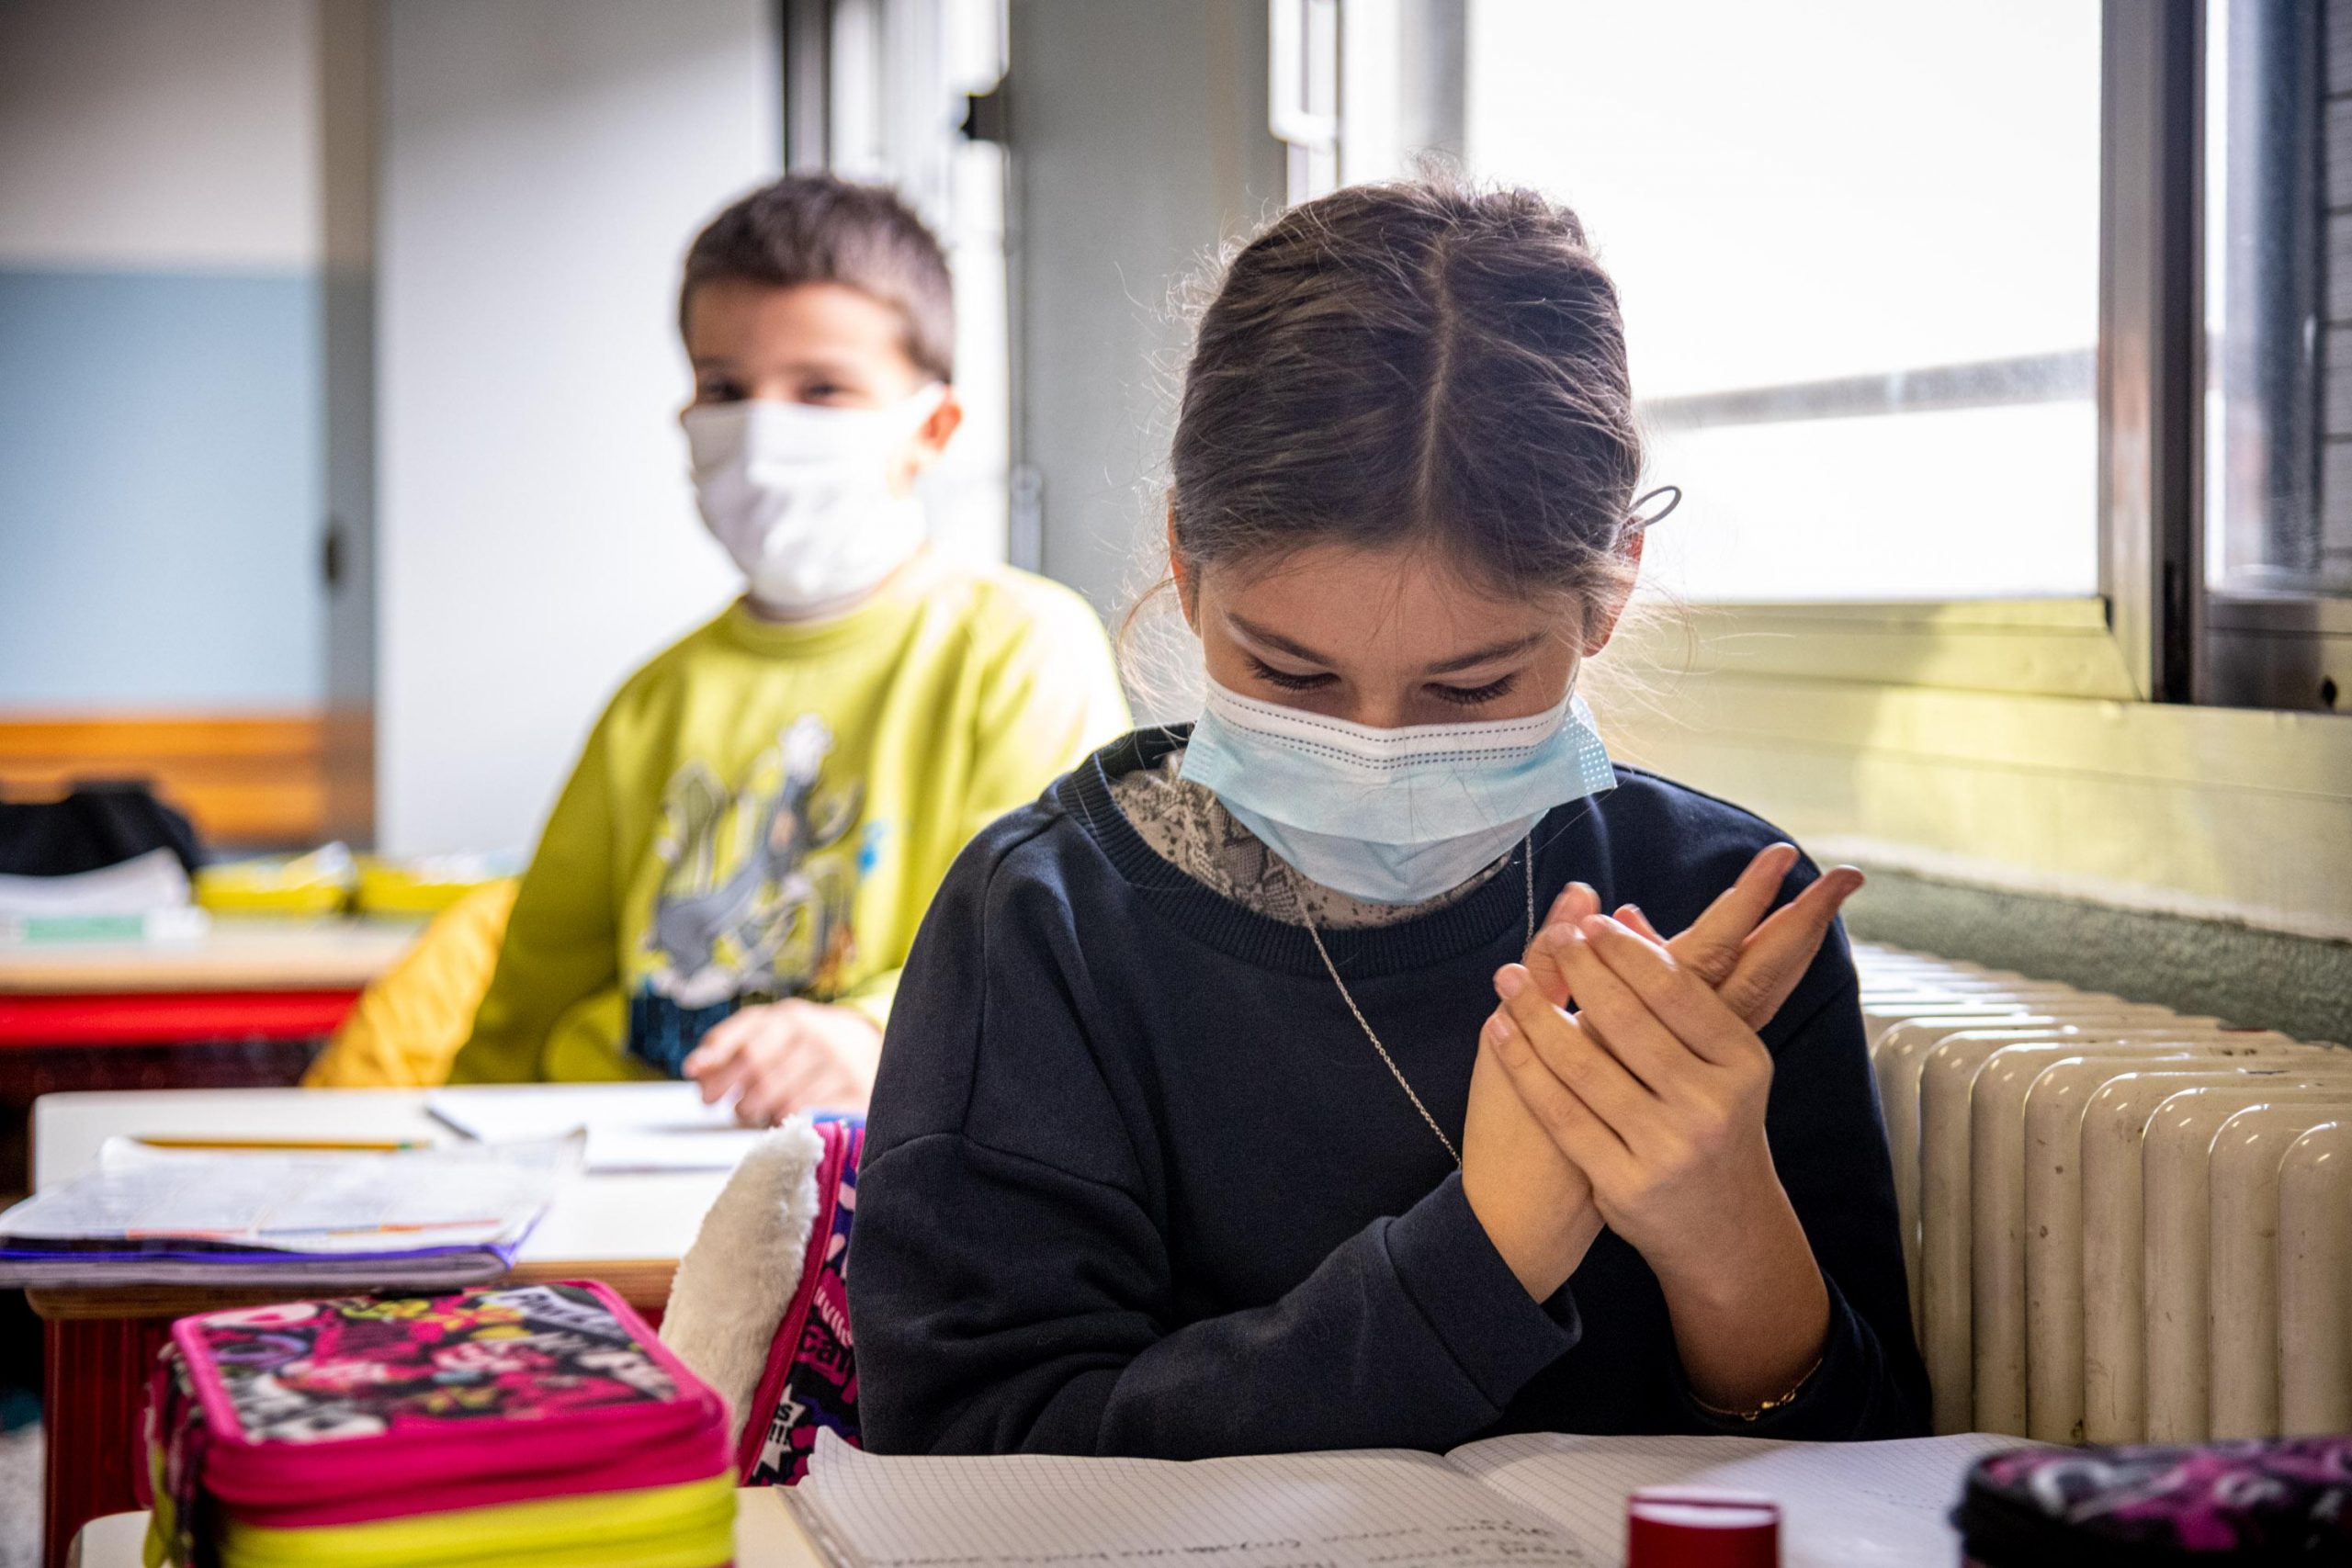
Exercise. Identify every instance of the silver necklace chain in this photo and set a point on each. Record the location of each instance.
(1528, 848)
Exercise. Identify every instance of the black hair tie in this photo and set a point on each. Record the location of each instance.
(1640, 520)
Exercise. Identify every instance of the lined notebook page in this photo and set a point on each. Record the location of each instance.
(1538, 1500)
(1369, 1509)
(1842, 1505)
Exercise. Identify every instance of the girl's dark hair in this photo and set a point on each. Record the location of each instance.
(819, 228)
(1414, 364)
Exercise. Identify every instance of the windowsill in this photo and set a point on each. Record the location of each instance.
(2274, 651)
(2044, 647)
(2243, 815)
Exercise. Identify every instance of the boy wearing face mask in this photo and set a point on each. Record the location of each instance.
(729, 881)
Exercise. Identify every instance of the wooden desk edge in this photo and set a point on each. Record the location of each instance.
(642, 1282)
(241, 953)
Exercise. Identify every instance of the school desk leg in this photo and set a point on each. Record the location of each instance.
(97, 1384)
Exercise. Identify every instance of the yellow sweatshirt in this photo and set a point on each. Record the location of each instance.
(766, 809)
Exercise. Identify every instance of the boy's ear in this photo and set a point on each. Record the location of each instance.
(934, 432)
(1607, 609)
(1187, 589)
(931, 439)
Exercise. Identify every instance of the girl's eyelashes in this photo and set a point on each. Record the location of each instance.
(1461, 697)
(1471, 696)
(719, 390)
(1286, 681)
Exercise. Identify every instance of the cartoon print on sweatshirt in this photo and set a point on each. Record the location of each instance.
(753, 904)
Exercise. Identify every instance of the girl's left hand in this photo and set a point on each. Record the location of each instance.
(1656, 1089)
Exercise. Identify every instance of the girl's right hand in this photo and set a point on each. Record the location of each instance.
(1753, 961)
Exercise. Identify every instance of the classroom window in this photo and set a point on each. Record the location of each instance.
(2278, 298)
(1859, 250)
(876, 90)
(2277, 378)
(2277, 303)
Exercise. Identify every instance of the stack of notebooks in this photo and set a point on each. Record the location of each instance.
(302, 1219)
(500, 1425)
(144, 898)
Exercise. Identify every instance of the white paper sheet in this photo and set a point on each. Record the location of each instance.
(1842, 1505)
(309, 1202)
(152, 880)
(630, 1126)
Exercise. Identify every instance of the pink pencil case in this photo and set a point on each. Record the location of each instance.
(364, 1408)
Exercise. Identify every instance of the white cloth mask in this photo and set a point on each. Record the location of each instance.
(800, 494)
(1391, 816)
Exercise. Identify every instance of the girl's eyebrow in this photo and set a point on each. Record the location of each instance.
(1469, 660)
(1487, 655)
(1273, 639)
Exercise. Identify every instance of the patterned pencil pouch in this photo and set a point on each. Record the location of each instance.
(2282, 1501)
(498, 1424)
(760, 1304)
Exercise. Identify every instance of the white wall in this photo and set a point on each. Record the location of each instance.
(544, 164)
(158, 134)
(160, 365)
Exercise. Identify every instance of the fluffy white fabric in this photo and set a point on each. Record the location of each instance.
(736, 1280)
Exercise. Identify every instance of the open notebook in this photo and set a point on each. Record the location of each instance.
(1524, 1502)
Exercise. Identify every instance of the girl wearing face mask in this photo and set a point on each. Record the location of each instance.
(1277, 1082)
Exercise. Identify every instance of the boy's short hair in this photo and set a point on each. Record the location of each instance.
(819, 228)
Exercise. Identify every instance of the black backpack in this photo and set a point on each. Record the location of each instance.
(104, 822)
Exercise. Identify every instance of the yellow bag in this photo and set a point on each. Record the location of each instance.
(408, 1024)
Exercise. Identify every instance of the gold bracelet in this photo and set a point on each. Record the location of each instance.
(1775, 1403)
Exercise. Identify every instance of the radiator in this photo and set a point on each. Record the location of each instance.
(2120, 1224)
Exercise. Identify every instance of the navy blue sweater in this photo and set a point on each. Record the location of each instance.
(1134, 1183)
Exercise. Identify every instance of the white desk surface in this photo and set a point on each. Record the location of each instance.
(640, 1217)
(766, 1536)
(250, 953)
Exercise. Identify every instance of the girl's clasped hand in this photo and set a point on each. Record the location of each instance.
(1643, 1109)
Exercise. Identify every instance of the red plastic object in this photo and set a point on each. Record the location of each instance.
(169, 1017)
(1699, 1527)
(98, 1387)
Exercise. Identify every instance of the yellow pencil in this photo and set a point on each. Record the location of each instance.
(356, 1145)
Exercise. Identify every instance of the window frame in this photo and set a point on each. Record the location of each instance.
(2155, 631)
(2150, 367)
(2121, 747)
(872, 92)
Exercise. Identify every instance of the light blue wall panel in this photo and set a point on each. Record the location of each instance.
(160, 483)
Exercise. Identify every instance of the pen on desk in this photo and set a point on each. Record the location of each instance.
(319, 1146)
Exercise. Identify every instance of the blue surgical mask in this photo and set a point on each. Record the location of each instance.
(1391, 816)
